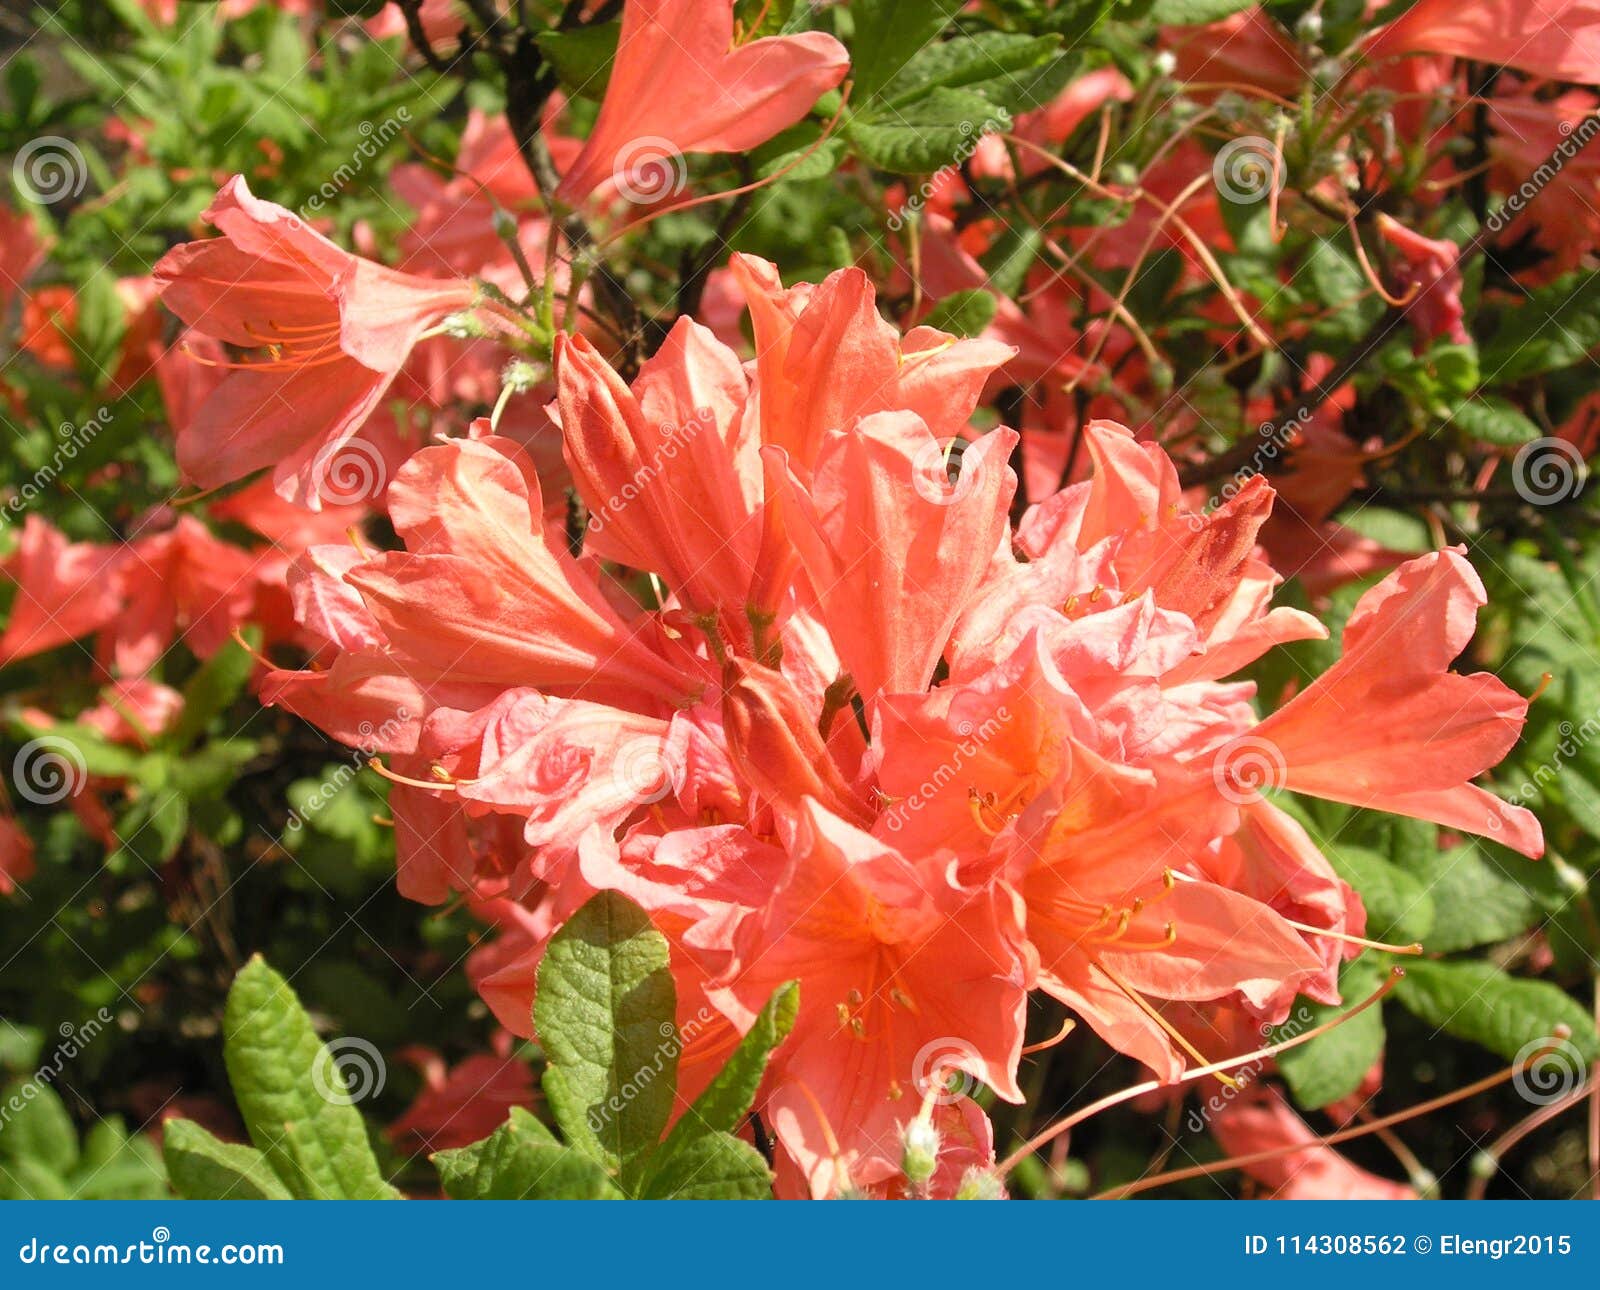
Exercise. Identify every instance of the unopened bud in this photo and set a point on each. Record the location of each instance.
(773, 739)
(1165, 63)
(1309, 28)
(921, 1154)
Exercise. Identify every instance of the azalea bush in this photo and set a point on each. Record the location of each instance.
(892, 598)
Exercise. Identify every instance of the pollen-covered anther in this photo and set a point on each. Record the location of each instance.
(985, 812)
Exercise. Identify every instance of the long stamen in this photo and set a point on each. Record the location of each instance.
(1327, 1139)
(1069, 1122)
(1168, 940)
(1067, 1027)
(394, 777)
(1151, 1011)
(1414, 948)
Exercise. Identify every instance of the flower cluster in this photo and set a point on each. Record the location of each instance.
(813, 699)
(878, 656)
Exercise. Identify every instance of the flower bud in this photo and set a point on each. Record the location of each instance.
(774, 742)
(920, 1156)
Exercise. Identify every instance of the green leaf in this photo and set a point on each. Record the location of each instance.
(203, 1168)
(118, 1166)
(101, 323)
(218, 683)
(30, 1180)
(968, 61)
(582, 56)
(793, 148)
(1475, 901)
(522, 1161)
(66, 743)
(1555, 327)
(963, 313)
(1399, 907)
(315, 1141)
(1331, 1066)
(37, 1127)
(724, 1103)
(603, 1011)
(889, 34)
(1481, 1004)
(1008, 260)
(1335, 276)
(1490, 419)
(937, 130)
(714, 1166)
(1194, 13)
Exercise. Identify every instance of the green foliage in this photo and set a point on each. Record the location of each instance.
(41, 1157)
(1332, 1065)
(309, 1137)
(604, 1011)
(1480, 1003)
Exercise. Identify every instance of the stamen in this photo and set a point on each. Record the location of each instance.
(1414, 948)
(1151, 1011)
(976, 805)
(1069, 1122)
(1067, 1027)
(1330, 1139)
(395, 777)
(1169, 939)
(251, 650)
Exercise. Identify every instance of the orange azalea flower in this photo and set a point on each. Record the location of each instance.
(336, 331)
(680, 83)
